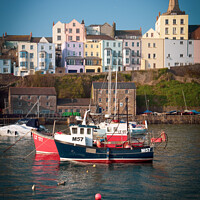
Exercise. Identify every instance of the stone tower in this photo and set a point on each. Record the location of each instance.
(174, 8)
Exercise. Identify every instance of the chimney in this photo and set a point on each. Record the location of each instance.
(157, 18)
(141, 29)
(53, 24)
(5, 34)
(159, 14)
(82, 22)
(31, 34)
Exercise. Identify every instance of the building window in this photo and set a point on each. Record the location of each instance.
(74, 24)
(99, 99)
(126, 91)
(133, 61)
(23, 46)
(174, 21)
(138, 53)
(108, 52)
(79, 53)
(149, 55)
(114, 44)
(50, 47)
(74, 53)
(127, 52)
(174, 30)
(5, 70)
(190, 42)
(154, 45)
(154, 56)
(133, 43)
(86, 54)
(5, 62)
(31, 55)
(138, 61)
(182, 38)
(91, 45)
(182, 30)
(31, 65)
(166, 22)
(138, 44)
(50, 55)
(127, 60)
(31, 47)
(154, 65)
(91, 53)
(108, 60)
(97, 54)
(119, 45)
(70, 38)
(70, 30)
(42, 55)
(107, 44)
(166, 31)
(58, 37)
(174, 38)
(147, 35)
(41, 64)
(190, 55)
(97, 46)
(58, 30)
(181, 42)
(77, 30)
(77, 38)
(19, 103)
(182, 21)
(181, 55)
(151, 34)
(149, 45)
(126, 44)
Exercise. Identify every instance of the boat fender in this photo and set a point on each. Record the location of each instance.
(33, 187)
(98, 144)
(163, 136)
(98, 196)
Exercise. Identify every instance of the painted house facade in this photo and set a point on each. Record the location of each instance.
(178, 52)
(46, 57)
(5, 65)
(111, 51)
(73, 57)
(92, 57)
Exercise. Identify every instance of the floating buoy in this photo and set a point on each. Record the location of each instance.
(94, 165)
(33, 187)
(98, 196)
(87, 171)
(61, 183)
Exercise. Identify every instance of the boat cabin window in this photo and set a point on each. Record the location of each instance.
(89, 131)
(81, 130)
(74, 130)
(109, 129)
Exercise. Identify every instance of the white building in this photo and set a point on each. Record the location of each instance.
(5, 65)
(178, 52)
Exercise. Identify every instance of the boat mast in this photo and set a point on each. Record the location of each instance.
(116, 94)
(184, 100)
(109, 90)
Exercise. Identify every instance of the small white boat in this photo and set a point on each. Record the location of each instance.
(20, 128)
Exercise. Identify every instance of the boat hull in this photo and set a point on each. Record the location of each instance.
(71, 152)
(44, 144)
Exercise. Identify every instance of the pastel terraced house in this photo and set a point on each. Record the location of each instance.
(72, 57)
(92, 51)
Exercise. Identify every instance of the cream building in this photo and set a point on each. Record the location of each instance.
(92, 56)
(152, 51)
(27, 57)
(173, 24)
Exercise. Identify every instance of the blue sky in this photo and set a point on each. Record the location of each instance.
(20, 17)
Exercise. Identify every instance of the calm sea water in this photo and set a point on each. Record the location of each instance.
(174, 173)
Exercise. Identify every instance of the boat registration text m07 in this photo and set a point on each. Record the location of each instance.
(38, 138)
(77, 139)
(145, 150)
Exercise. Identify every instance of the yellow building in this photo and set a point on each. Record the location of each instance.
(173, 24)
(92, 51)
(152, 51)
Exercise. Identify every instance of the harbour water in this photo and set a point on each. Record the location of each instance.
(174, 173)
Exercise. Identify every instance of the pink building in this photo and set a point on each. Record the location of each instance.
(75, 31)
(196, 51)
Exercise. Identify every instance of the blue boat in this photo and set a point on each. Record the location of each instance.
(82, 146)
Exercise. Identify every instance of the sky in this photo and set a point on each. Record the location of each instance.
(20, 17)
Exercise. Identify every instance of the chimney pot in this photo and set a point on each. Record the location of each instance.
(5, 33)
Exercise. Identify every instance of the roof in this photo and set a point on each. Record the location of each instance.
(17, 37)
(5, 57)
(120, 33)
(193, 28)
(120, 85)
(32, 91)
(74, 102)
(98, 37)
(37, 39)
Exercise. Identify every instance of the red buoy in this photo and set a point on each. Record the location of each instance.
(98, 196)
